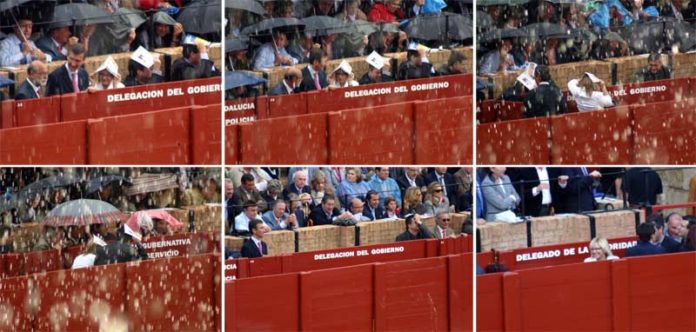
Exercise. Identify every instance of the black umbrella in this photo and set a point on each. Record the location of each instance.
(440, 26)
(9, 4)
(644, 37)
(46, 184)
(484, 22)
(79, 14)
(39, 11)
(202, 17)
(266, 26)
(498, 34)
(323, 25)
(236, 44)
(132, 18)
(484, 3)
(234, 79)
(101, 181)
(546, 31)
(246, 5)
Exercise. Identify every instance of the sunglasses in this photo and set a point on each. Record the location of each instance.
(438, 190)
(444, 220)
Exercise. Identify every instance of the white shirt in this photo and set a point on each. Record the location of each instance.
(84, 260)
(241, 222)
(543, 175)
(597, 101)
(592, 259)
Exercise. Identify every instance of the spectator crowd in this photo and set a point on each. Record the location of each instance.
(313, 32)
(260, 200)
(38, 33)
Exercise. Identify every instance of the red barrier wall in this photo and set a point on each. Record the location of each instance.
(160, 137)
(7, 114)
(401, 307)
(91, 105)
(167, 293)
(499, 110)
(444, 131)
(14, 293)
(390, 93)
(665, 133)
(14, 265)
(578, 138)
(206, 140)
(287, 105)
(514, 142)
(41, 261)
(51, 144)
(31, 112)
(245, 110)
(381, 134)
(490, 309)
(232, 144)
(244, 311)
(461, 292)
(320, 291)
(651, 91)
(81, 299)
(292, 140)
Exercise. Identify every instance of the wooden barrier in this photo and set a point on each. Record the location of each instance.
(627, 67)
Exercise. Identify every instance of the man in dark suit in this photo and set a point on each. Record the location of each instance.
(667, 243)
(314, 76)
(374, 72)
(300, 47)
(289, 83)
(372, 210)
(646, 237)
(410, 178)
(537, 199)
(254, 246)
(327, 212)
(414, 230)
(572, 193)
(141, 69)
(56, 43)
(70, 78)
(247, 192)
(37, 73)
(449, 186)
(414, 67)
(193, 64)
(642, 185)
(298, 185)
(546, 99)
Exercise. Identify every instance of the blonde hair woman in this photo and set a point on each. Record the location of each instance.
(435, 199)
(590, 93)
(600, 250)
(413, 202)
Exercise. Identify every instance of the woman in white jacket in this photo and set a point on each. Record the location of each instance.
(590, 93)
(106, 77)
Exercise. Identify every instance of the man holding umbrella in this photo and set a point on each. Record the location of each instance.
(17, 49)
(57, 42)
(194, 63)
(273, 53)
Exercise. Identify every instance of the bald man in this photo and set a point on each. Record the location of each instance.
(37, 75)
(288, 85)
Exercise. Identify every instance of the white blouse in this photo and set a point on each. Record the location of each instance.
(597, 101)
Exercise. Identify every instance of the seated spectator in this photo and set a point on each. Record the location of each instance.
(413, 201)
(289, 84)
(391, 210)
(254, 246)
(590, 93)
(387, 12)
(640, 13)
(106, 77)
(277, 219)
(250, 211)
(654, 71)
(247, 192)
(690, 240)
(356, 209)
(666, 242)
(298, 185)
(194, 63)
(351, 12)
(352, 186)
(320, 187)
(71, 77)
(342, 76)
(299, 209)
(273, 192)
(499, 59)
(455, 64)
(372, 210)
(385, 186)
(160, 227)
(415, 65)
(326, 213)
(435, 200)
(126, 249)
(17, 49)
(314, 76)
(500, 195)
(273, 53)
(414, 229)
(143, 69)
(546, 99)
(646, 239)
(51, 238)
(374, 72)
(86, 257)
(442, 229)
(600, 250)
(56, 43)
(441, 176)
(37, 77)
(301, 46)
(167, 32)
(675, 227)
(6, 242)
(610, 45)
(410, 178)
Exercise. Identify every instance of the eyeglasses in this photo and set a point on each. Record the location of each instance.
(438, 190)
(444, 220)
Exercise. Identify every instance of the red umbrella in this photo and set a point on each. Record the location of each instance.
(154, 214)
(83, 212)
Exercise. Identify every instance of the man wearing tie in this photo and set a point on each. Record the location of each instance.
(410, 178)
(17, 49)
(373, 210)
(255, 247)
(37, 72)
(442, 229)
(314, 76)
(70, 78)
(277, 219)
(574, 190)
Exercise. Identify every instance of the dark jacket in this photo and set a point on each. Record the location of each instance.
(131, 81)
(46, 45)
(318, 216)
(378, 214)
(407, 71)
(184, 70)
(307, 83)
(545, 100)
(644, 75)
(118, 252)
(643, 248)
(423, 234)
(60, 82)
(250, 250)
(365, 79)
(577, 196)
(25, 91)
